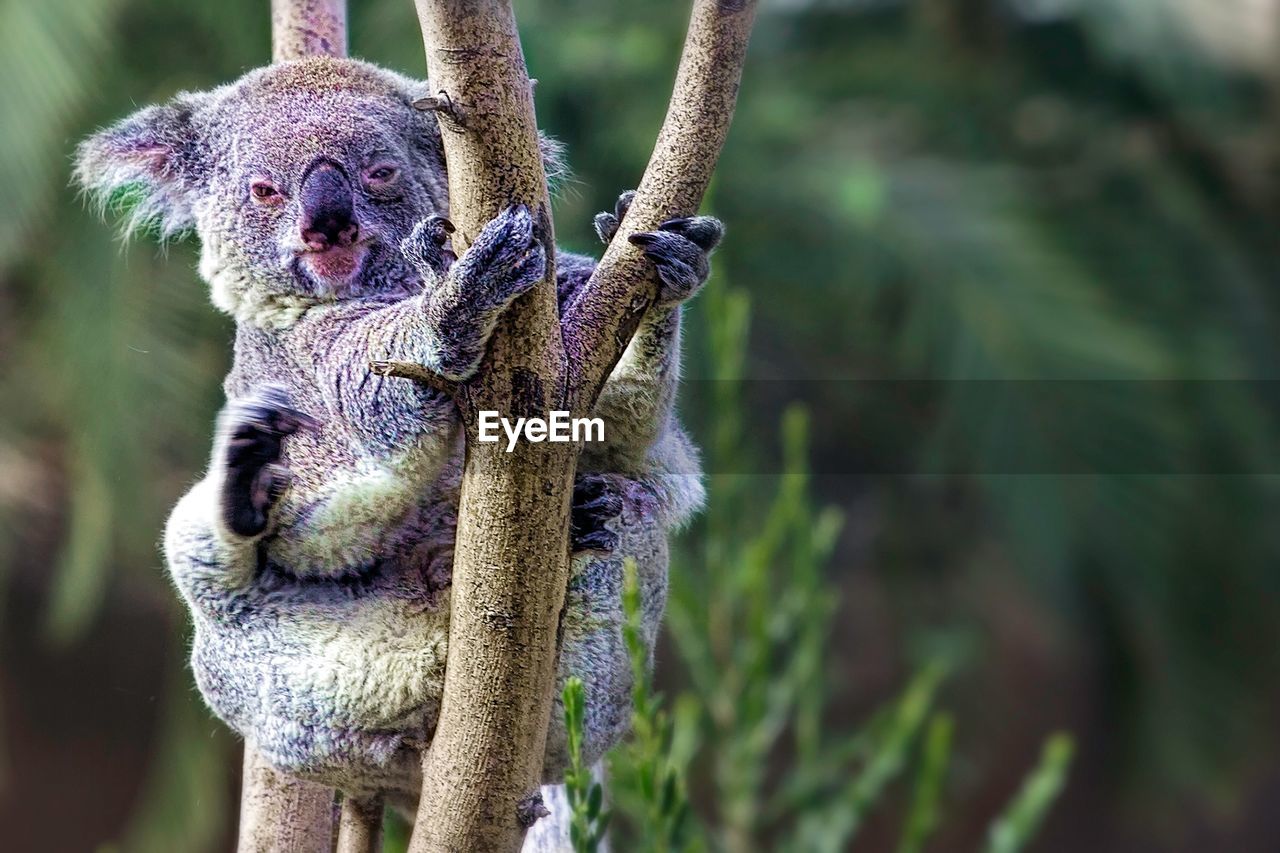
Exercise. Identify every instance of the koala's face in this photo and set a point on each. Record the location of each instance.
(300, 179)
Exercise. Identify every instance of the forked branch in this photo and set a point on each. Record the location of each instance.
(510, 569)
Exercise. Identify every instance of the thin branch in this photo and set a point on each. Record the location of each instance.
(601, 321)
(281, 814)
(308, 28)
(360, 826)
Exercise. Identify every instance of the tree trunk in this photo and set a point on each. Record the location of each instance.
(511, 566)
(308, 28)
(600, 322)
(360, 826)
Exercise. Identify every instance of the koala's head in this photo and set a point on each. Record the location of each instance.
(300, 179)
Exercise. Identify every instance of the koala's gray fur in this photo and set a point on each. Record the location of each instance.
(315, 553)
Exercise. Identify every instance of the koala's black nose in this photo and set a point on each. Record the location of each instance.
(328, 218)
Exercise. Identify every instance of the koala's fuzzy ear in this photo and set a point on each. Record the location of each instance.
(147, 166)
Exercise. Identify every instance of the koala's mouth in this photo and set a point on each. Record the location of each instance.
(335, 269)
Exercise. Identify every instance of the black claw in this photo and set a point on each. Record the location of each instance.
(601, 540)
(607, 223)
(606, 227)
(704, 231)
(623, 204)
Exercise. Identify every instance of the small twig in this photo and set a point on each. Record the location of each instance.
(441, 104)
(416, 372)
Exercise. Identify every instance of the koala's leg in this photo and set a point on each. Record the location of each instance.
(463, 305)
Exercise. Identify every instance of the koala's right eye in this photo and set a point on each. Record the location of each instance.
(264, 191)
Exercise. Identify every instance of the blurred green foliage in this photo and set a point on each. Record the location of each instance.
(932, 192)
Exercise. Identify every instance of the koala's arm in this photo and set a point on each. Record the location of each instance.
(637, 401)
(460, 307)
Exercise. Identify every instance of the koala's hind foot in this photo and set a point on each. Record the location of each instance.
(680, 248)
(503, 263)
(596, 501)
(251, 430)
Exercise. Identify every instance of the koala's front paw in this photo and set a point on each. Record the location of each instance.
(596, 502)
(251, 431)
(505, 260)
(424, 248)
(680, 248)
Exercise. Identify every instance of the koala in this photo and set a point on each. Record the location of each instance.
(314, 555)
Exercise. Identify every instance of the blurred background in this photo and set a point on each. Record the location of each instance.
(1001, 277)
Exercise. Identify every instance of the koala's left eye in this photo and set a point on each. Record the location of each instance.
(382, 174)
(264, 191)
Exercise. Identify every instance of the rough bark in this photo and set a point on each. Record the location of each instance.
(360, 826)
(308, 28)
(281, 814)
(600, 323)
(278, 813)
(511, 566)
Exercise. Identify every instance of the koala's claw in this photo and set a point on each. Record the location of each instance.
(607, 223)
(253, 430)
(424, 248)
(680, 248)
(505, 260)
(595, 503)
(705, 231)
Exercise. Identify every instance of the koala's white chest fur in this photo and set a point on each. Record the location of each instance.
(349, 515)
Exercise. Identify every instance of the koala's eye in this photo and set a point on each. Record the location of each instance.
(264, 191)
(381, 174)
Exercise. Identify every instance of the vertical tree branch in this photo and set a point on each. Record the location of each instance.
(278, 813)
(308, 28)
(600, 322)
(281, 814)
(510, 571)
(360, 826)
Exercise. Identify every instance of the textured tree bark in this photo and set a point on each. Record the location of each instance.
(360, 826)
(308, 28)
(281, 814)
(278, 813)
(510, 569)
